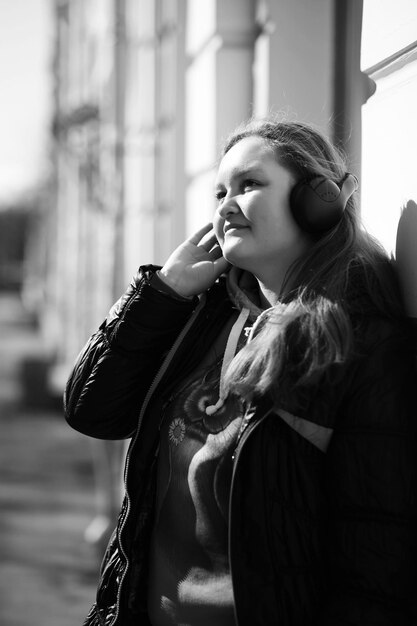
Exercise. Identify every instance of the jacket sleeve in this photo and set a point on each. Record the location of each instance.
(116, 367)
(372, 474)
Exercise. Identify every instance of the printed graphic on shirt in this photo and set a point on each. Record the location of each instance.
(176, 431)
(190, 574)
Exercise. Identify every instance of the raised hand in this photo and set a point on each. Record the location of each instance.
(196, 264)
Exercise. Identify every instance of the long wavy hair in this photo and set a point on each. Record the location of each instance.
(311, 329)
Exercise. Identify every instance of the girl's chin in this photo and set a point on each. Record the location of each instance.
(234, 256)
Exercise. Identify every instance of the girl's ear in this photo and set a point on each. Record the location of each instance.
(406, 256)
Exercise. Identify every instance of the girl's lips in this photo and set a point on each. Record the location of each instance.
(229, 227)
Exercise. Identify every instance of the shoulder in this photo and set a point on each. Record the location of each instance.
(373, 288)
(373, 303)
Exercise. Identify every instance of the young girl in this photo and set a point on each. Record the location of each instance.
(266, 377)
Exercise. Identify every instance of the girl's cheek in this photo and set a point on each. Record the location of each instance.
(218, 229)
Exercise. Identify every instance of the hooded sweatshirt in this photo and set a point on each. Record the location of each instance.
(190, 581)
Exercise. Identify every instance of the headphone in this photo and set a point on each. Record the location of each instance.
(317, 203)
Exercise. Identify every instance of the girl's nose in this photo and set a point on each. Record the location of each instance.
(228, 206)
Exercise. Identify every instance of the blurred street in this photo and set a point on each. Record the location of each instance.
(48, 572)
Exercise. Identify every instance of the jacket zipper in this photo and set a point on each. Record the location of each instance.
(249, 429)
(149, 394)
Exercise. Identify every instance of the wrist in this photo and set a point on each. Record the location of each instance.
(170, 286)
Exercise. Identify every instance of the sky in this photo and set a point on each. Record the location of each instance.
(25, 94)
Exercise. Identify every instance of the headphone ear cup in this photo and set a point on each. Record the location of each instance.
(317, 204)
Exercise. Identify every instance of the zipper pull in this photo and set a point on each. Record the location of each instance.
(245, 423)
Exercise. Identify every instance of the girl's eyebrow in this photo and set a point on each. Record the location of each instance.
(238, 172)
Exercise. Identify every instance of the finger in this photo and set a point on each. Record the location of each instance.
(208, 242)
(221, 265)
(215, 252)
(199, 234)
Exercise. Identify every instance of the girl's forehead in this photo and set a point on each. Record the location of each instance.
(247, 154)
(250, 145)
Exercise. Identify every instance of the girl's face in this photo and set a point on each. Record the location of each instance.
(253, 221)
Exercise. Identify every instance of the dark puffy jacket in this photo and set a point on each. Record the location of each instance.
(323, 525)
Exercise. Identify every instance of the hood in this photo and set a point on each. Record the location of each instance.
(243, 290)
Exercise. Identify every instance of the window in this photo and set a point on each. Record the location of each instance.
(389, 118)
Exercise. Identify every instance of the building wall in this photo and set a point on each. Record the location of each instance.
(154, 146)
(294, 60)
(87, 186)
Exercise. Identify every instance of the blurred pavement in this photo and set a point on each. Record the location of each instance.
(48, 573)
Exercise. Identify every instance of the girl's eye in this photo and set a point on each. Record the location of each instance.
(249, 184)
(219, 195)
